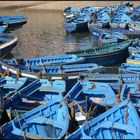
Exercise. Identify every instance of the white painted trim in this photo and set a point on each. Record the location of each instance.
(8, 43)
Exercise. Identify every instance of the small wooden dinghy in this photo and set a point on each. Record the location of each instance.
(100, 20)
(48, 71)
(78, 23)
(119, 122)
(111, 37)
(50, 120)
(34, 94)
(120, 21)
(100, 93)
(87, 97)
(48, 60)
(13, 20)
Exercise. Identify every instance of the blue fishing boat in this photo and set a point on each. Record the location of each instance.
(136, 11)
(134, 26)
(88, 10)
(34, 94)
(131, 92)
(77, 24)
(100, 93)
(96, 32)
(129, 68)
(123, 9)
(106, 8)
(116, 123)
(3, 28)
(100, 19)
(9, 85)
(13, 20)
(47, 60)
(135, 47)
(70, 12)
(7, 43)
(85, 96)
(120, 21)
(114, 80)
(50, 120)
(113, 37)
(105, 55)
(48, 70)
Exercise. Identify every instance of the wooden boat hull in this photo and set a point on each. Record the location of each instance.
(15, 24)
(13, 20)
(8, 45)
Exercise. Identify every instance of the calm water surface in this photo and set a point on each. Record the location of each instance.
(44, 35)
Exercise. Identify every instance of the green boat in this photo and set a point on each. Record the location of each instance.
(105, 55)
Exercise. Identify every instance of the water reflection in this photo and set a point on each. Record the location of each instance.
(44, 35)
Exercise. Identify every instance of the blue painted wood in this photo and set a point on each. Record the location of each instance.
(116, 123)
(85, 96)
(13, 20)
(129, 68)
(3, 28)
(123, 9)
(131, 92)
(136, 11)
(50, 120)
(9, 85)
(70, 12)
(135, 47)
